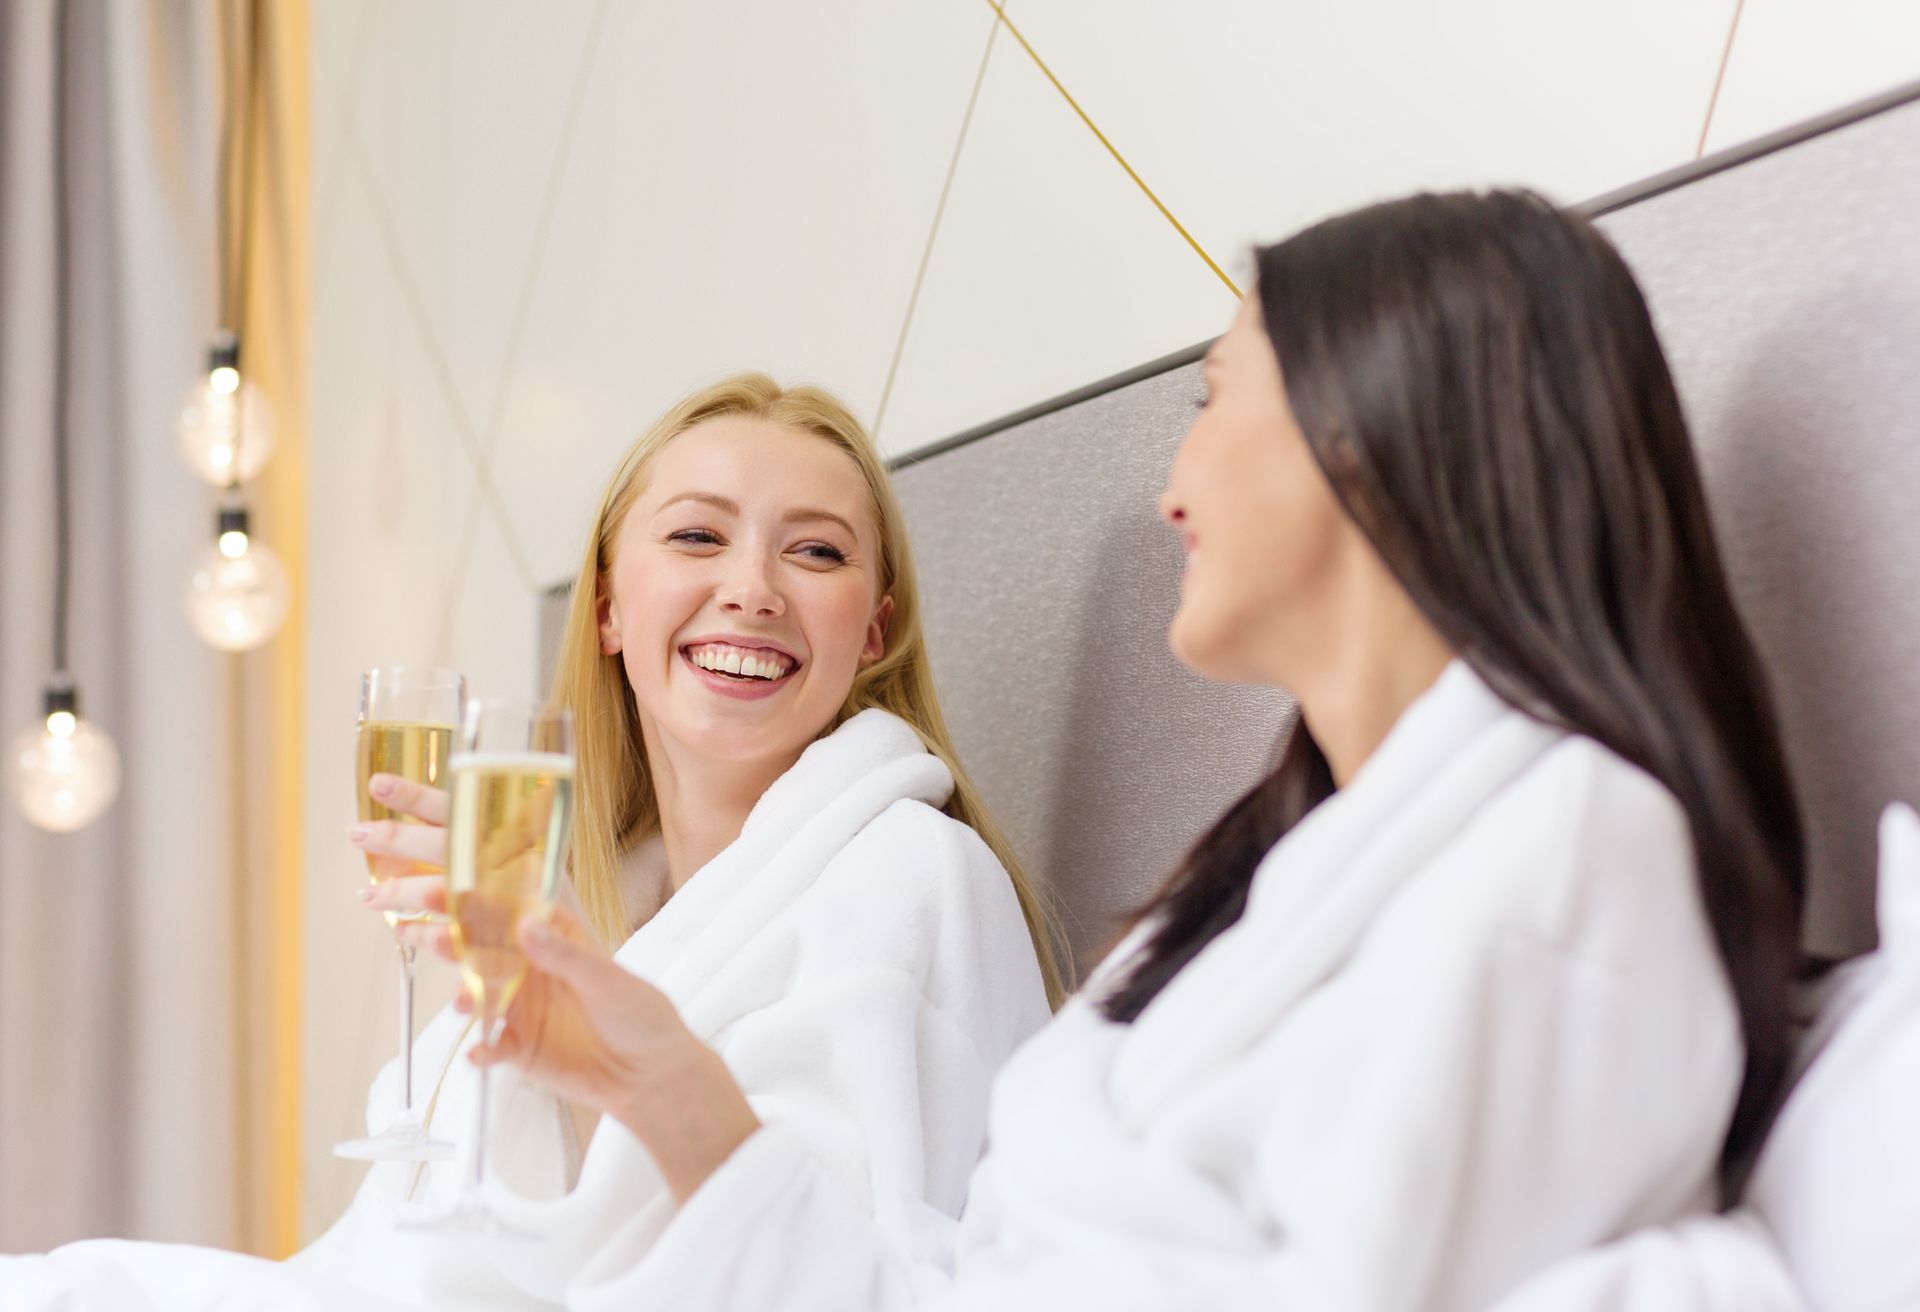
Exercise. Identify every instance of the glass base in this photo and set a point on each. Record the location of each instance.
(469, 1215)
(405, 1142)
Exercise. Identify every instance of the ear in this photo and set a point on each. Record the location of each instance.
(609, 626)
(877, 633)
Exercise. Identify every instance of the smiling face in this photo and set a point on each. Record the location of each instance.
(745, 591)
(1270, 553)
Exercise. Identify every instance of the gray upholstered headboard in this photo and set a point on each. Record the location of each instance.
(1786, 281)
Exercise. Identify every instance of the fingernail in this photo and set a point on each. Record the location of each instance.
(366, 895)
(382, 785)
(358, 834)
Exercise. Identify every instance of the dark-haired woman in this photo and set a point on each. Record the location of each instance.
(1492, 969)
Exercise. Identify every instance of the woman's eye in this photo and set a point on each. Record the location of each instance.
(823, 551)
(697, 537)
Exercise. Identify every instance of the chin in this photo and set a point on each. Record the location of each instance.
(1212, 650)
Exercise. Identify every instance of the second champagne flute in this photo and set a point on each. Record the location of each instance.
(406, 728)
(512, 806)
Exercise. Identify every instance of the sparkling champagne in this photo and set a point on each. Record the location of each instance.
(410, 749)
(506, 848)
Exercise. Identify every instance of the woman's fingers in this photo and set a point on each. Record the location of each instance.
(425, 935)
(407, 895)
(417, 844)
(559, 945)
(411, 798)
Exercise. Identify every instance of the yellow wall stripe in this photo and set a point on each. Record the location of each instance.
(1119, 159)
(270, 684)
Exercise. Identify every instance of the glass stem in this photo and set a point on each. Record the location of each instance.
(406, 1031)
(480, 1132)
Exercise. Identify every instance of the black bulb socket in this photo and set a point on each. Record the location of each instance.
(224, 353)
(61, 695)
(230, 519)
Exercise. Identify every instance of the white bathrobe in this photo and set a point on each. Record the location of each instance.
(1831, 1220)
(1472, 1022)
(858, 959)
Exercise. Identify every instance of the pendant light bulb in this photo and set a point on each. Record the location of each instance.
(225, 426)
(239, 595)
(63, 770)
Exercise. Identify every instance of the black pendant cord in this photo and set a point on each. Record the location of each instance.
(62, 350)
(223, 184)
(241, 104)
(243, 254)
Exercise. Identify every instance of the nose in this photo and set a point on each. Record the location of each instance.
(749, 589)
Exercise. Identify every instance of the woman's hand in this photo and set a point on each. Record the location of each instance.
(404, 858)
(595, 1034)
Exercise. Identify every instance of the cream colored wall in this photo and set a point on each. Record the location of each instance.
(536, 224)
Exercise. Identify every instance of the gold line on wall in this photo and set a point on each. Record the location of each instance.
(933, 231)
(442, 372)
(1719, 78)
(1138, 181)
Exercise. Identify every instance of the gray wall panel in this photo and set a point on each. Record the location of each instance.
(1787, 291)
(1049, 582)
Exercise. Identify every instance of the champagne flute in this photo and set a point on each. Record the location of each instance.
(406, 728)
(512, 776)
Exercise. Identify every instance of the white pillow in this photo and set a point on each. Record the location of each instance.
(1838, 1183)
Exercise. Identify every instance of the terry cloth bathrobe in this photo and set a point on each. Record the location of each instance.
(1471, 1022)
(858, 959)
(1831, 1220)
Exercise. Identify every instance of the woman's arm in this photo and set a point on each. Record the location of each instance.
(598, 1035)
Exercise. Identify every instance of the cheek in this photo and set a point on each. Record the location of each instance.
(653, 600)
(838, 614)
(1271, 545)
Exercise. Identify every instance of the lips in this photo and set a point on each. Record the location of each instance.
(741, 661)
(745, 669)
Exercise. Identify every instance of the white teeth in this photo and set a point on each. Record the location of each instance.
(734, 660)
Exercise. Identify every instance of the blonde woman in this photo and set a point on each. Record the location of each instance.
(772, 828)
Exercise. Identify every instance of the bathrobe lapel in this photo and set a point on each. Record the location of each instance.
(838, 786)
(1317, 891)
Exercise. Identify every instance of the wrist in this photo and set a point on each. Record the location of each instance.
(690, 1115)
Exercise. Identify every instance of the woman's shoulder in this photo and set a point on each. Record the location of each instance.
(915, 853)
(1587, 852)
(921, 891)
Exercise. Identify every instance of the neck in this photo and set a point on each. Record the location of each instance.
(703, 803)
(1354, 688)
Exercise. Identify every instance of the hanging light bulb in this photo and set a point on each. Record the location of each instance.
(239, 594)
(225, 425)
(64, 771)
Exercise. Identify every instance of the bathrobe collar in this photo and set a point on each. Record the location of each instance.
(839, 784)
(1317, 890)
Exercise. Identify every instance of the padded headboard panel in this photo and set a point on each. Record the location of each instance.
(1049, 582)
(1787, 291)
(1786, 282)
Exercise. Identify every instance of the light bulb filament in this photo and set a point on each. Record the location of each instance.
(224, 380)
(61, 724)
(233, 544)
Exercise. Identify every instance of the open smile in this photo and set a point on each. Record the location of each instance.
(736, 670)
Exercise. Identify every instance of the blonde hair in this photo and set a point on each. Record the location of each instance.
(614, 802)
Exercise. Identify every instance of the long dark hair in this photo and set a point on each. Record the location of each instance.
(1479, 379)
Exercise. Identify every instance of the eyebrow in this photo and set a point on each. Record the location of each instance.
(798, 515)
